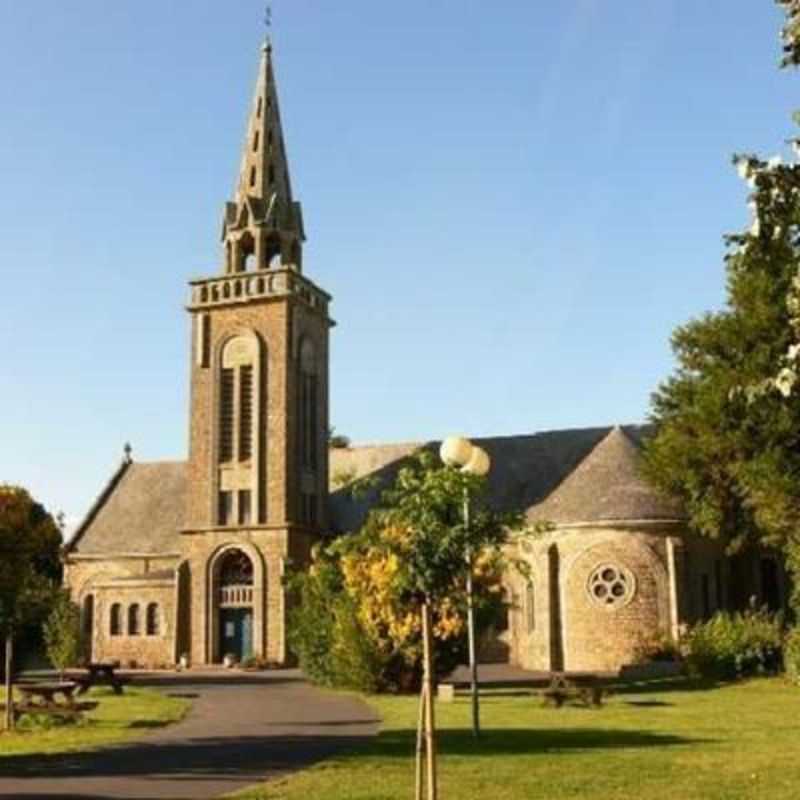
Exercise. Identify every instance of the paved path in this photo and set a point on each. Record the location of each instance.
(243, 728)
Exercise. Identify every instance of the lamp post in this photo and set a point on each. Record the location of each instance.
(461, 454)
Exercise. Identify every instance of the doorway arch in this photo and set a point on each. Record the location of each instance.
(236, 619)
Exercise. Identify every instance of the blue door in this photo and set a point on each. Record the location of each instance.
(236, 632)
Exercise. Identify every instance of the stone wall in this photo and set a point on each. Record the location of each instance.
(594, 597)
(125, 580)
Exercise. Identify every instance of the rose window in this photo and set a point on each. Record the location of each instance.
(611, 586)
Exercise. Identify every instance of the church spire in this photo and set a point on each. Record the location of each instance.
(263, 225)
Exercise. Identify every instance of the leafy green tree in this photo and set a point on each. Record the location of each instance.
(728, 420)
(30, 543)
(62, 632)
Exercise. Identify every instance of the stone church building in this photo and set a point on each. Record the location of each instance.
(187, 557)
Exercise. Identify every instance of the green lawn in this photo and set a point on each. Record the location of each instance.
(117, 717)
(677, 743)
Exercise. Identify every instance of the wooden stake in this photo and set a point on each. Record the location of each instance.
(9, 684)
(430, 721)
(420, 741)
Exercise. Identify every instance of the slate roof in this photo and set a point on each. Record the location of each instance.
(607, 486)
(142, 513)
(568, 476)
(579, 475)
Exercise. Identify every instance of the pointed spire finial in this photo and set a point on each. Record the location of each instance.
(268, 26)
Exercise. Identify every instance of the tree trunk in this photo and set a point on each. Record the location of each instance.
(9, 684)
(430, 722)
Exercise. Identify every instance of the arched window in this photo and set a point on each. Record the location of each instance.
(530, 609)
(237, 423)
(296, 255)
(152, 619)
(134, 620)
(308, 433)
(308, 406)
(236, 569)
(115, 620)
(235, 581)
(272, 251)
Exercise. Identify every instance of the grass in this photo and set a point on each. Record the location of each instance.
(738, 742)
(116, 718)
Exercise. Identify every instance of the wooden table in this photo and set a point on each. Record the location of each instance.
(100, 673)
(41, 698)
(584, 686)
(44, 694)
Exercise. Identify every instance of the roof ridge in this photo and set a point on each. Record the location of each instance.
(98, 503)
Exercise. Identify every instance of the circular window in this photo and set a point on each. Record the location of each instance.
(611, 586)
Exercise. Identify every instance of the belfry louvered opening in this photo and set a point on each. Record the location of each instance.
(241, 395)
(226, 412)
(245, 412)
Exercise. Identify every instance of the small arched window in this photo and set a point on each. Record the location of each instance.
(134, 620)
(152, 619)
(308, 406)
(115, 620)
(530, 609)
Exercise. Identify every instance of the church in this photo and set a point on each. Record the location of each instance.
(184, 561)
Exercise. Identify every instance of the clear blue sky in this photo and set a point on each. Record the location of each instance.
(513, 205)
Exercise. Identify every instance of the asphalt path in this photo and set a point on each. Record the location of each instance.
(243, 728)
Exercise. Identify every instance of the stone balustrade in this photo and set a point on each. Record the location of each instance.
(241, 287)
(235, 596)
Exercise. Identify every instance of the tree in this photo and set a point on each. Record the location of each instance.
(728, 420)
(30, 542)
(62, 632)
(427, 558)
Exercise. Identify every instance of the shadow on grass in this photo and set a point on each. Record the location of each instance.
(647, 703)
(679, 684)
(503, 741)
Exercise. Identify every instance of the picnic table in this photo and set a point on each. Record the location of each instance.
(100, 673)
(42, 693)
(41, 697)
(584, 686)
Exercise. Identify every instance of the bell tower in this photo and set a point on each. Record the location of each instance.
(258, 459)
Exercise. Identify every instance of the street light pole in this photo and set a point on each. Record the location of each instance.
(473, 660)
(463, 455)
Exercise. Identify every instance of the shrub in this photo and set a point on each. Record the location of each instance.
(657, 647)
(791, 654)
(325, 635)
(735, 645)
(62, 633)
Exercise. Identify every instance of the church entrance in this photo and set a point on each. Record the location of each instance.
(236, 631)
(235, 605)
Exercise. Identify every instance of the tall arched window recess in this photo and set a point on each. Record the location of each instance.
(153, 621)
(240, 396)
(115, 620)
(134, 620)
(530, 608)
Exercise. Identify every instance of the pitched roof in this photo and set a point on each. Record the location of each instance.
(142, 513)
(606, 486)
(591, 474)
(569, 476)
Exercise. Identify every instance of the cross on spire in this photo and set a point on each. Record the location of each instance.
(268, 24)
